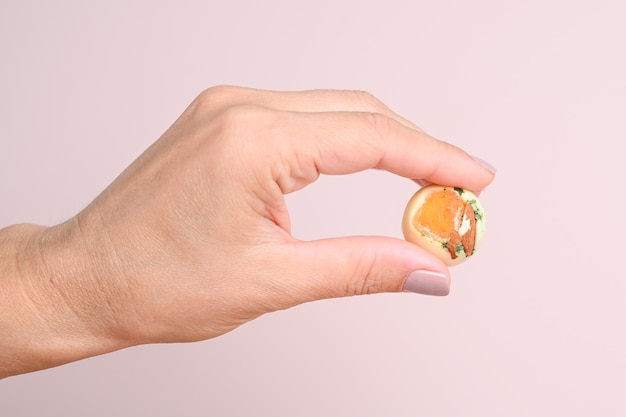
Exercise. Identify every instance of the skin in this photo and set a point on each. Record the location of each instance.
(193, 238)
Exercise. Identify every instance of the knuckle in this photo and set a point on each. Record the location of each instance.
(379, 124)
(216, 97)
(365, 98)
(238, 139)
(249, 131)
(369, 284)
(367, 278)
(367, 101)
(220, 91)
(242, 117)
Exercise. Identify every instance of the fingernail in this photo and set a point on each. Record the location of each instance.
(423, 183)
(484, 164)
(427, 282)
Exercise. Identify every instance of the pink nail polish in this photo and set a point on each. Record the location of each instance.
(485, 164)
(427, 282)
(422, 182)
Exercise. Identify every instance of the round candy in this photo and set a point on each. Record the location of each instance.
(448, 222)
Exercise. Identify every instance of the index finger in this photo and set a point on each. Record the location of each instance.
(348, 142)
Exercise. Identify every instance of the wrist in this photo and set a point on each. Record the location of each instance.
(52, 310)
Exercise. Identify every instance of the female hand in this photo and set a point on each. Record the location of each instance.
(193, 239)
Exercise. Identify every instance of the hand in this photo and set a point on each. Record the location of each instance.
(193, 239)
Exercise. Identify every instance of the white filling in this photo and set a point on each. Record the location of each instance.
(465, 225)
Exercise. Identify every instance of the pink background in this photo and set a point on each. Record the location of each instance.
(534, 324)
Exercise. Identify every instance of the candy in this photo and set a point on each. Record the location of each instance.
(448, 222)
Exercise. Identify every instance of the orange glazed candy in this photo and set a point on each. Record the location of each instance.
(449, 222)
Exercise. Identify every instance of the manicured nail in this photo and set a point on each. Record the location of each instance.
(427, 282)
(485, 164)
(422, 183)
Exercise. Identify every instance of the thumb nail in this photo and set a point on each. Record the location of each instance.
(427, 282)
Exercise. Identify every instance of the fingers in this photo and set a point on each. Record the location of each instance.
(310, 101)
(348, 142)
(339, 132)
(348, 266)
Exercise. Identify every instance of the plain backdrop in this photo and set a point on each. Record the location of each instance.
(535, 322)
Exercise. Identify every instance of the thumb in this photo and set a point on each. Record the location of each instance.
(347, 266)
